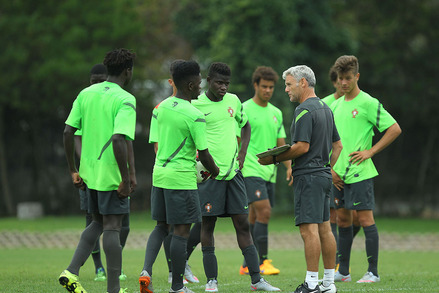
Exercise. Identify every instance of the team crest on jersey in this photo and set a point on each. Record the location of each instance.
(354, 113)
(275, 119)
(208, 207)
(258, 193)
(230, 110)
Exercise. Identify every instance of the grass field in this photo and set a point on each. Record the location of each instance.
(37, 270)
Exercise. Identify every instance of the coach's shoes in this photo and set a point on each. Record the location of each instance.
(263, 285)
(328, 289)
(100, 275)
(212, 286)
(342, 278)
(123, 290)
(182, 290)
(369, 277)
(243, 270)
(267, 268)
(303, 288)
(145, 282)
(189, 276)
(70, 282)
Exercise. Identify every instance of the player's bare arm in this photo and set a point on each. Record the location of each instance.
(208, 162)
(131, 166)
(245, 139)
(287, 163)
(336, 150)
(69, 148)
(389, 136)
(121, 155)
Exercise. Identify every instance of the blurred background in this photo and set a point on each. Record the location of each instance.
(48, 48)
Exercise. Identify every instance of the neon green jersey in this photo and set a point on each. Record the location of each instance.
(181, 130)
(355, 120)
(100, 111)
(329, 99)
(221, 118)
(266, 126)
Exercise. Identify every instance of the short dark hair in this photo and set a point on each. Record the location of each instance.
(219, 68)
(184, 70)
(333, 74)
(98, 69)
(347, 63)
(173, 64)
(118, 60)
(265, 73)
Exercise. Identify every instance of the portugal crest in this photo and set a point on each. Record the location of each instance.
(354, 113)
(230, 110)
(208, 207)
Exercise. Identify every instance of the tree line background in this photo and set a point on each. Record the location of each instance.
(48, 48)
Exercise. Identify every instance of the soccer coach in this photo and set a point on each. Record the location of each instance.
(313, 136)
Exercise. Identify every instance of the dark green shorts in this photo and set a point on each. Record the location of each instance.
(311, 198)
(223, 198)
(356, 196)
(259, 189)
(175, 206)
(107, 202)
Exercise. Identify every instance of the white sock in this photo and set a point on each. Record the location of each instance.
(312, 279)
(328, 277)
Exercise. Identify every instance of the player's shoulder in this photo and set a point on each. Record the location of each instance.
(231, 97)
(273, 108)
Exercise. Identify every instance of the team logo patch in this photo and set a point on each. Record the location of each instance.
(336, 200)
(230, 110)
(354, 113)
(258, 193)
(275, 119)
(208, 207)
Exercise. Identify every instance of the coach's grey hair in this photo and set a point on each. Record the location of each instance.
(299, 72)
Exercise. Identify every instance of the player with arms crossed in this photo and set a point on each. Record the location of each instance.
(267, 131)
(225, 195)
(106, 114)
(181, 130)
(313, 135)
(356, 115)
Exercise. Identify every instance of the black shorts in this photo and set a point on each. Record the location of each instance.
(83, 200)
(223, 198)
(311, 198)
(259, 189)
(175, 206)
(107, 202)
(356, 196)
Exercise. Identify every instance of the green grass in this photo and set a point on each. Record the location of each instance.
(141, 221)
(28, 270)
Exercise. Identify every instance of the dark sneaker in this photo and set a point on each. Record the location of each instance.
(303, 288)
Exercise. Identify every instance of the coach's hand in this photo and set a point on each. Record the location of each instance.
(124, 189)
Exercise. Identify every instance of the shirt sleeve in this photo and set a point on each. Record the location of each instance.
(240, 115)
(379, 116)
(281, 130)
(198, 133)
(153, 130)
(302, 126)
(75, 117)
(125, 121)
